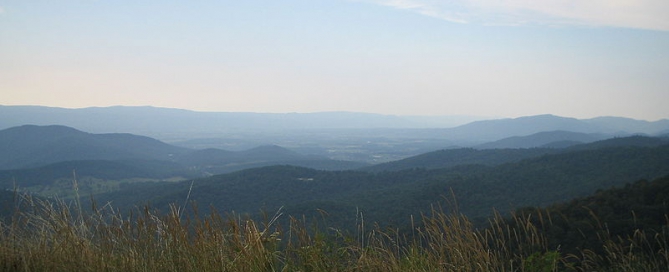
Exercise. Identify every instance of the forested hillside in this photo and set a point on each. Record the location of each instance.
(638, 209)
(461, 156)
(544, 139)
(33, 146)
(391, 197)
(103, 170)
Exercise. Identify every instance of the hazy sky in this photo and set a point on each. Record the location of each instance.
(575, 58)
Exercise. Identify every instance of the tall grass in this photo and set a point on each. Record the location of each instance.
(55, 235)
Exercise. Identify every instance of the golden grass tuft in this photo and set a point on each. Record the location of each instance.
(54, 235)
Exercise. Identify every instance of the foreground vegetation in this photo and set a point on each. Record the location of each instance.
(47, 235)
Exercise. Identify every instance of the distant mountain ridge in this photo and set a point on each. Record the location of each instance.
(341, 136)
(177, 123)
(146, 120)
(630, 125)
(493, 130)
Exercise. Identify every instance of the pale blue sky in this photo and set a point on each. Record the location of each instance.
(508, 58)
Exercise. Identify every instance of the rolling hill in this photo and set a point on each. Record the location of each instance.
(31, 146)
(217, 161)
(544, 139)
(491, 157)
(447, 158)
(100, 169)
(639, 141)
(35, 154)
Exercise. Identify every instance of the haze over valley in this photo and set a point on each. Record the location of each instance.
(361, 137)
(334, 135)
(227, 142)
